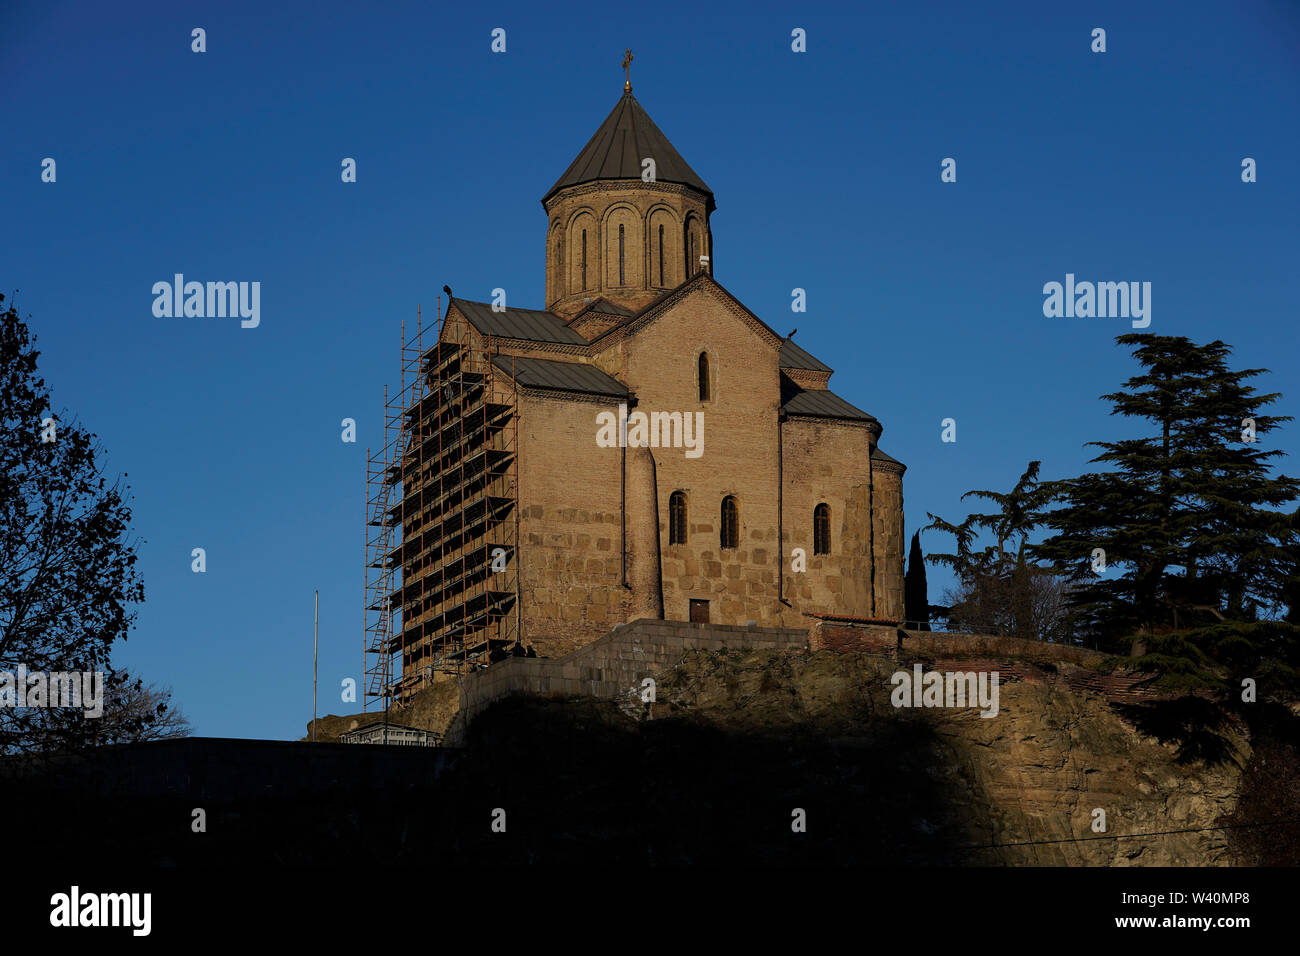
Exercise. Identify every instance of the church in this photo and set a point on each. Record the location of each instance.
(524, 529)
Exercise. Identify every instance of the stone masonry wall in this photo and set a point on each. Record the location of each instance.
(612, 665)
(739, 457)
(983, 652)
(826, 462)
(890, 541)
(570, 497)
(617, 663)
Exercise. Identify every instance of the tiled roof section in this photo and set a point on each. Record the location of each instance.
(794, 357)
(528, 324)
(560, 376)
(879, 455)
(628, 136)
(817, 403)
(855, 620)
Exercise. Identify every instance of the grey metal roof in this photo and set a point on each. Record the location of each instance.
(605, 307)
(628, 136)
(794, 357)
(879, 455)
(562, 376)
(529, 324)
(820, 403)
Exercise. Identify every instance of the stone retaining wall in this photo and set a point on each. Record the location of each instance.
(609, 666)
(617, 663)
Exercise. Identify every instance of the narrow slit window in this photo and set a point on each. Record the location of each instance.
(704, 376)
(661, 255)
(730, 536)
(822, 529)
(584, 260)
(677, 518)
(620, 257)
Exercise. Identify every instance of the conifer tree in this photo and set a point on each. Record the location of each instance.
(1000, 590)
(916, 598)
(1291, 592)
(1196, 554)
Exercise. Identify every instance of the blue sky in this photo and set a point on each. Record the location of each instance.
(925, 297)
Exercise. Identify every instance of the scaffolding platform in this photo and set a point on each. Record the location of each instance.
(442, 517)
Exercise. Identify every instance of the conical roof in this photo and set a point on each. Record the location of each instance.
(628, 136)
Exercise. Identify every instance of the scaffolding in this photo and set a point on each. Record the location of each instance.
(442, 517)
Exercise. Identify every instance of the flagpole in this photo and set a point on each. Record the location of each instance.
(315, 624)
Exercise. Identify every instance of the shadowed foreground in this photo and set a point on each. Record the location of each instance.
(710, 774)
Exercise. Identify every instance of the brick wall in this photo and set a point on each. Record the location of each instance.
(599, 208)
(852, 639)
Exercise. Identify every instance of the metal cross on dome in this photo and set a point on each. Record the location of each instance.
(627, 67)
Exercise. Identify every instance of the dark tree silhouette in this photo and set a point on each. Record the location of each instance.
(67, 570)
(1197, 557)
(1000, 590)
(916, 595)
(1291, 590)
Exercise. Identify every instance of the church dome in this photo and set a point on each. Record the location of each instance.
(616, 236)
(616, 151)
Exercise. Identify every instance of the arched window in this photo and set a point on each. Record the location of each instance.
(661, 254)
(677, 518)
(692, 263)
(555, 264)
(584, 260)
(621, 280)
(822, 529)
(704, 376)
(730, 536)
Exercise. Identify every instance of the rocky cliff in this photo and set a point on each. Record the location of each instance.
(739, 744)
(1021, 787)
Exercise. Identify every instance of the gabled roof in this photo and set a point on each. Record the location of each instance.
(821, 403)
(634, 323)
(628, 136)
(529, 324)
(794, 357)
(559, 376)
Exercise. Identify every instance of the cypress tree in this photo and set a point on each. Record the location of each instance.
(916, 598)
